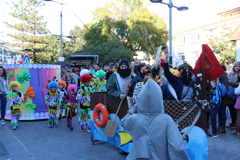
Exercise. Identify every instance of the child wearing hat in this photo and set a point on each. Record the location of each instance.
(71, 104)
(83, 97)
(63, 92)
(99, 81)
(53, 98)
(14, 100)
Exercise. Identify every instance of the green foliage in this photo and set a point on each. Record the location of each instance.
(29, 25)
(51, 50)
(77, 40)
(129, 22)
(222, 46)
(114, 48)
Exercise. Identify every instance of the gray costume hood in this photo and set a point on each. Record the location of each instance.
(150, 98)
(154, 134)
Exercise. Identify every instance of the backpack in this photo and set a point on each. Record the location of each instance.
(216, 99)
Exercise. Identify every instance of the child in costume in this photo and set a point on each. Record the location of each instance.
(53, 98)
(71, 104)
(83, 97)
(15, 98)
(63, 92)
(100, 81)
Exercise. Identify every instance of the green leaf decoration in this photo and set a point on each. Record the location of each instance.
(26, 76)
(32, 106)
(10, 75)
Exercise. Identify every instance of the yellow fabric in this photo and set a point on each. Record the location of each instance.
(155, 79)
(115, 70)
(174, 72)
(125, 138)
(14, 83)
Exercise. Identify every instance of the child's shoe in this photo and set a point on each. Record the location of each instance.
(3, 123)
(214, 135)
(81, 127)
(14, 127)
(50, 125)
(89, 128)
(71, 128)
(55, 125)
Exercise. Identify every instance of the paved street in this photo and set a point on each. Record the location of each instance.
(35, 141)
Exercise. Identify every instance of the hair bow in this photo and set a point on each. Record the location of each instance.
(26, 76)
(32, 106)
(10, 75)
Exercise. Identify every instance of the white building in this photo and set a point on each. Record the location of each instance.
(188, 43)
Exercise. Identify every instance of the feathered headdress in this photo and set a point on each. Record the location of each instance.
(72, 86)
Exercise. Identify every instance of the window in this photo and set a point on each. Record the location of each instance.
(181, 56)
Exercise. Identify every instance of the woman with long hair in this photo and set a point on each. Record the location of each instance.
(3, 92)
(233, 81)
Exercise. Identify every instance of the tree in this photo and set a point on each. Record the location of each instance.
(114, 48)
(77, 41)
(125, 21)
(51, 50)
(222, 46)
(29, 25)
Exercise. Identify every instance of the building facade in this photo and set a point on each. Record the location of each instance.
(187, 44)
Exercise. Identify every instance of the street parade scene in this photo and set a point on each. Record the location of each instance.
(135, 79)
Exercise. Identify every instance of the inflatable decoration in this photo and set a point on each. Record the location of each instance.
(33, 79)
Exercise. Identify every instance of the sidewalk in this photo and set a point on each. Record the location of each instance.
(35, 141)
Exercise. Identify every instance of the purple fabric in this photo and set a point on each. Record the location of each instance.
(53, 116)
(9, 102)
(83, 100)
(15, 117)
(237, 104)
(37, 83)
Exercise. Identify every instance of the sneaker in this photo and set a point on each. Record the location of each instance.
(81, 127)
(50, 125)
(232, 125)
(89, 128)
(14, 127)
(55, 125)
(3, 122)
(214, 135)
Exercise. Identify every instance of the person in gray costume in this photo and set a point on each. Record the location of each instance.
(154, 134)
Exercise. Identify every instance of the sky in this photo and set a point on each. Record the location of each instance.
(200, 12)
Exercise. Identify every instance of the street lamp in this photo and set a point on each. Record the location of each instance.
(170, 5)
(60, 28)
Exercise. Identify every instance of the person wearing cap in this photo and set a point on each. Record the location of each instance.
(117, 83)
(100, 82)
(182, 85)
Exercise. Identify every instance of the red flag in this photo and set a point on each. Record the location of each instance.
(209, 62)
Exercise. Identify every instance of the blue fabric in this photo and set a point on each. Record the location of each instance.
(133, 83)
(177, 83)
(214, 113)
(3, 102)
(230, 93)
(222, 89)
(165, 91)
(222, 115)
(216, 98)
(124, 62)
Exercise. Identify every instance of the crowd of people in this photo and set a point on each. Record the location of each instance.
(73, 89)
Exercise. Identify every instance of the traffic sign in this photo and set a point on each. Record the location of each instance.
(26, 60)
(26, 55)
(60, 59)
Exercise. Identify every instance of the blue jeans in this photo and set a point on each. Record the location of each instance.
(214, 113)
(222, 115)
(3, 102)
